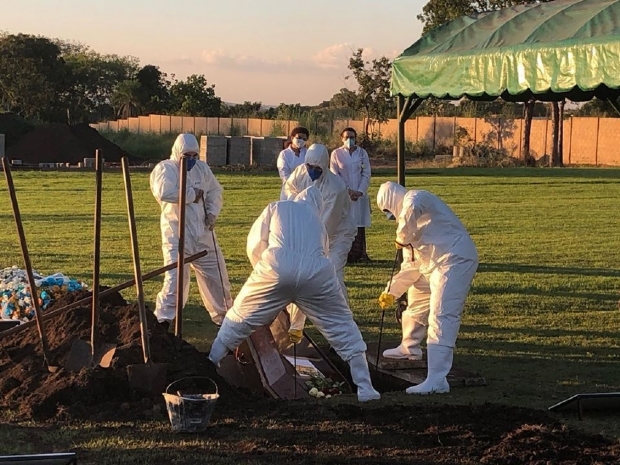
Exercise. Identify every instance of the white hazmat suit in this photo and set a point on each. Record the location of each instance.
(440, 261)
(336, 214)
(287, 246)
(199, 216)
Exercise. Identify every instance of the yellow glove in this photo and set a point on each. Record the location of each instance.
(386, 300)
(295, 335)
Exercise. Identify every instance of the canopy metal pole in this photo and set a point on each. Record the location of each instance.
(404, 109)
(400, 149)
(614, 103)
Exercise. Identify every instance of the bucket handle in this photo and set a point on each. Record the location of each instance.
(195, 377)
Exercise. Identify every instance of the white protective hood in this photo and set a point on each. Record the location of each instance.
(312, 196)
(184, 143)
(390, 197)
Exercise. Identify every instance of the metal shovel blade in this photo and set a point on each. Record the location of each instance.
(148, 378)
(81, 356)
(104, 355)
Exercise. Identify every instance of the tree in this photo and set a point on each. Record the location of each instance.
(598, 108)
(194, 97)
(93, 78)
(439, 12)
(245, 110)
(155, 89)
(126, 99)
(372, 97)
(33, 77)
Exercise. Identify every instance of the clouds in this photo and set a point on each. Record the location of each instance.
(308, 77)
(333, 58)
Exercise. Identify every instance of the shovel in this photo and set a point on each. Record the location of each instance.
(148, 377)
(178, 328)
(84, 354)
(33, 287)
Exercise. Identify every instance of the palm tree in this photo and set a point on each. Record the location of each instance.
(126, 99)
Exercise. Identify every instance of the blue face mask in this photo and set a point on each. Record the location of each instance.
(190, 163)
(314, 173)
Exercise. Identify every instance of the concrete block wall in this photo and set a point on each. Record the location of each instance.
(239, 150)
(587, 141)
(213, 150)
(265, 150)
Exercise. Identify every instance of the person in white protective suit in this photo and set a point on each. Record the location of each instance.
(287, 247)
(336, 215)
(439, 264)
(202, 207)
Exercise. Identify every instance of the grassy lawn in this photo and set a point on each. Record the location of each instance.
(541, 322)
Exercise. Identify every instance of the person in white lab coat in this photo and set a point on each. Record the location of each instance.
(203, 205)
(287, 247)
(352, 164)
(293, 155)
(440, 261)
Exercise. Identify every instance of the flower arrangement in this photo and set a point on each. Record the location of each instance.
(15, 296)
(324, 387)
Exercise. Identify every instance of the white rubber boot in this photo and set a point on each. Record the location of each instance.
(439, 365)
(409, 348)
(361, 377)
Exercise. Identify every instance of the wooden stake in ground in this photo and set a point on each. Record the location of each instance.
(178, 328)
(33, 287)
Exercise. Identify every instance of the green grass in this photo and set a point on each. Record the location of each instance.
(541, 322)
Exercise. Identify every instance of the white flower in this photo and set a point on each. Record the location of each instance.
(313, 392)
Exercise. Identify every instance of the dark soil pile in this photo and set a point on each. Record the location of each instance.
(13, 127)
(60, 143)
(27, 387)
(319, 432)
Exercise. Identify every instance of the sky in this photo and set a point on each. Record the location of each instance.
(271, 51)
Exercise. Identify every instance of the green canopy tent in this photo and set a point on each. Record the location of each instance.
(547, 51)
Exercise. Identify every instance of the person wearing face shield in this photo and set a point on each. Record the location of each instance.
(203, 205)
(352, 164)
(439, 264)
(287, 247)
(293, 155)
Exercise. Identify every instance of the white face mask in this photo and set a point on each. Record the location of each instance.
(350, 142)
(299, 143)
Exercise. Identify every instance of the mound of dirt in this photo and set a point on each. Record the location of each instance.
(13, 127)
(325, 432)
(27, 387)
(60, 143)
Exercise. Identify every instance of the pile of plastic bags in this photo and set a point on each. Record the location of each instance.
(16, 300)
